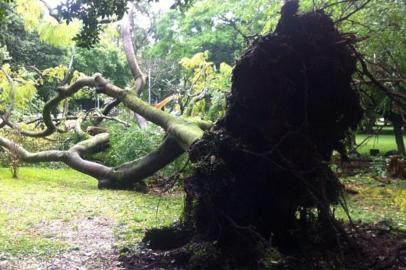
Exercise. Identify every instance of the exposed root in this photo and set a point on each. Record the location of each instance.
(262, 177)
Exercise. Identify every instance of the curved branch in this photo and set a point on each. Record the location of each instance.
(51, 11)
(64, 92)
(43, 156)
(134, 171)
(193, 101)
(185, 133)
(78, 129)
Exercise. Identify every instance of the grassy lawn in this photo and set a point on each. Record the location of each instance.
(40, 196)
(375, 202)
(384, 143)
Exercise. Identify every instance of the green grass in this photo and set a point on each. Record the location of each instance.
(384, 143)
(45, 195)
(375, 202)
(42, 195)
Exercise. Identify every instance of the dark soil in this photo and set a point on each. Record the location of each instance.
(375, 247)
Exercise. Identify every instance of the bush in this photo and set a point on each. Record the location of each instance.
(132, 143)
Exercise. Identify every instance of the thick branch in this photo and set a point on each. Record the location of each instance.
(184, 132)
(51, 104)
(137, 170)
(71, 157)
(44, 156)
(106, 111)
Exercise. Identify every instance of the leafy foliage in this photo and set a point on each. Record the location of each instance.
(25, 48)
(381, 23)
(24, 87)
(105, 60)
(133, 143)
(49, 30)
(3, 8)
(208, 84)
(221, 27)
(90, 12)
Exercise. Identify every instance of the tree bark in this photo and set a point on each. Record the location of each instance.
(398, 132)
(126, 38)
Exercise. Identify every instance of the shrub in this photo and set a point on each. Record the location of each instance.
(132, 143)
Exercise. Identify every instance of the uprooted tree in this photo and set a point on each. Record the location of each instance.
(261, 172)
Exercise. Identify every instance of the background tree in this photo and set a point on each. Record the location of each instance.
(381, 24)
(223, 28)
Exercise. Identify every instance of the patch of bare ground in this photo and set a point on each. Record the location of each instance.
(92, 246)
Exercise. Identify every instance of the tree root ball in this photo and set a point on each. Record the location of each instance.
(262, 176)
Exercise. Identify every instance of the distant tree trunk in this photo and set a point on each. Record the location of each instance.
(371, 120)
(398, 132)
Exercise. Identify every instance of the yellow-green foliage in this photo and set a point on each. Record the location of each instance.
(58, 34)
(203, 75)
(55, 73)
(30, 143)
(31, 12)
(24, 84)
(49, 30)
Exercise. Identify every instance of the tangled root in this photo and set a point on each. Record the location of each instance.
(262, 175)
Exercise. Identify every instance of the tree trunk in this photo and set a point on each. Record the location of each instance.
(398, 132)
